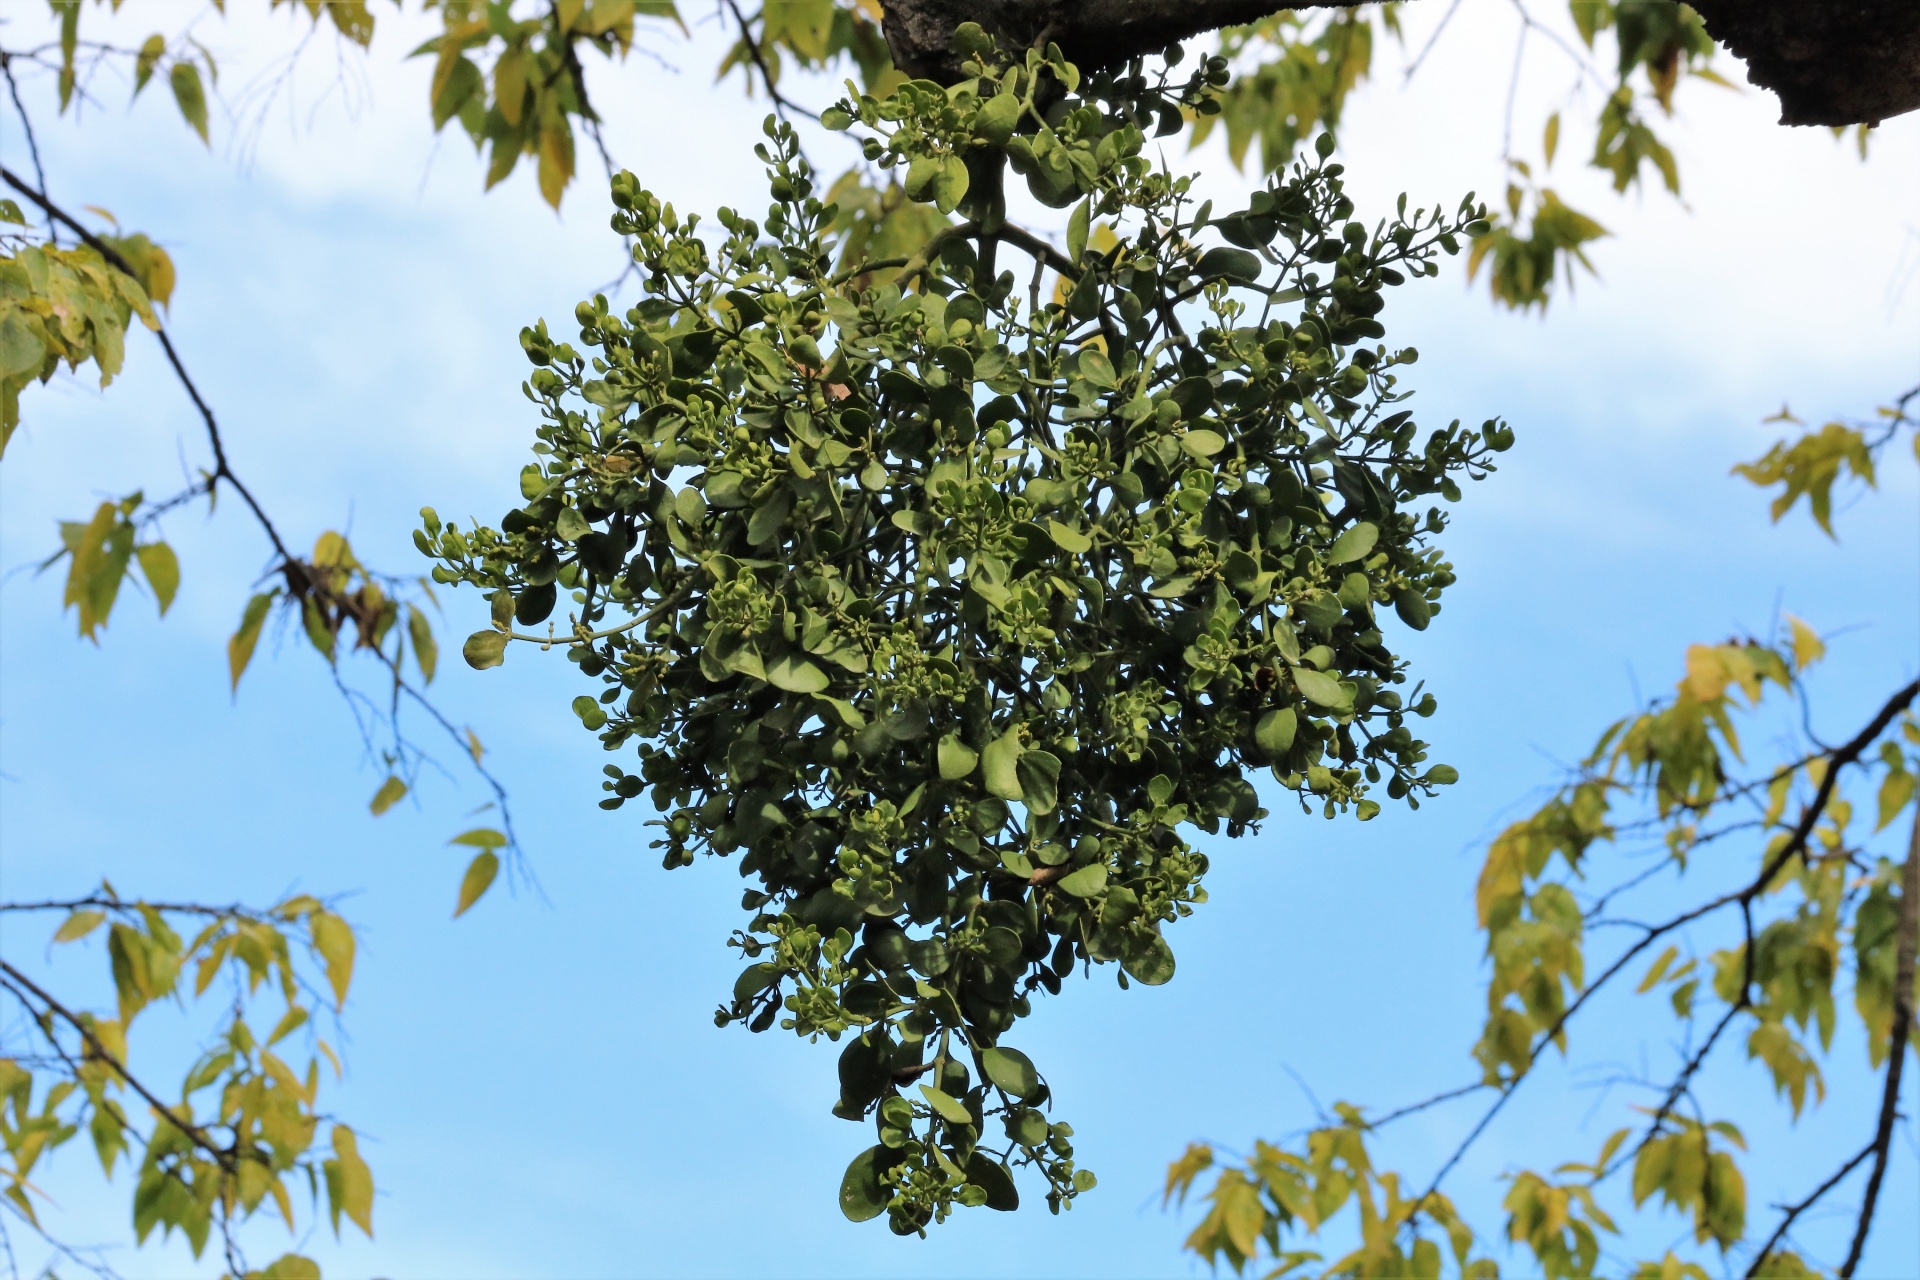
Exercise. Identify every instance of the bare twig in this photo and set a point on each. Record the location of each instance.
(1847, 754)
(21, 985)
(781, 103)
(1795, 1210)
(1909, 942)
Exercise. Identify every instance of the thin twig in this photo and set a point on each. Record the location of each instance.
(1896, 1044)
(221, 469)
(1794, 1211)
(26, 127)
(15, 980)
(1848, 754)
(781, 104)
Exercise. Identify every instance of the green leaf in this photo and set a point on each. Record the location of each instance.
(956, 758)
(1000, 765)
(485, 649)
(1274, 734)
(1354, 544)
(946, 1106)
(1087, 882)
(1321, 689)
(796, 675)
(146, 60)
(1039, 773)
(1203, 443)
(1011, 1070)
(862, 1196)
(1150, 963)
(240, 645)
(992, 1177)
(190, 95)
(1231, 264)
(1077, 227)
(949, 186)
(481, 838)
(1068, 538)
(161, 568)
(426, 650)
(391, 792)
(480, 873)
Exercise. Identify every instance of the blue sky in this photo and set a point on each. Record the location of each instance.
(540, 1084)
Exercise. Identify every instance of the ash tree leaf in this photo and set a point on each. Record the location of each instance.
(240, 646)
(349, 1183)
(161, 568)
(333, 939)
(478, 879)
(390, 793)
(78, 925)
(426, 650)
(190, 95)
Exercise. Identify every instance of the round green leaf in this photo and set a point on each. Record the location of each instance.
(1354, 544)
(485, 649)
(995, 1179)
(1012, 1070)
(862, 1195)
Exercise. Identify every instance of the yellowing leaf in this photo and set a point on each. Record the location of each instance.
(78, 925)
(349, 1182)
(190, 95)
(1808, 648)
(240, 646)
(333, 939)
(479, 877)
(426, 650)
(391, 792)
(162, 570)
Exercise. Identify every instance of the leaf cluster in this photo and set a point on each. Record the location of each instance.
(945, 610)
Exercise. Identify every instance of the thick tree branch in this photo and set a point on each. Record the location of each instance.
(1832, 62)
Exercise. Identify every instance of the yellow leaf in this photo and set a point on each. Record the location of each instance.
(79, 925)
(390, 793)
(479, 877)
(333, 939)
(240, 647)
(1808, 648)
(349, 1181)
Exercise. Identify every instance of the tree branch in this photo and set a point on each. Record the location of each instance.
(17, 980)
(1832, 62)
(1909, 942)
(1847, 754)
(221, 470)
(1794, 1211)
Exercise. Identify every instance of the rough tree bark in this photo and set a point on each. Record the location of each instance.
(1832, 62)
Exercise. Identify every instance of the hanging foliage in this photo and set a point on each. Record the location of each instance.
(945, 609)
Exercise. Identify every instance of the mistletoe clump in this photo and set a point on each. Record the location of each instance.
(944, 606)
